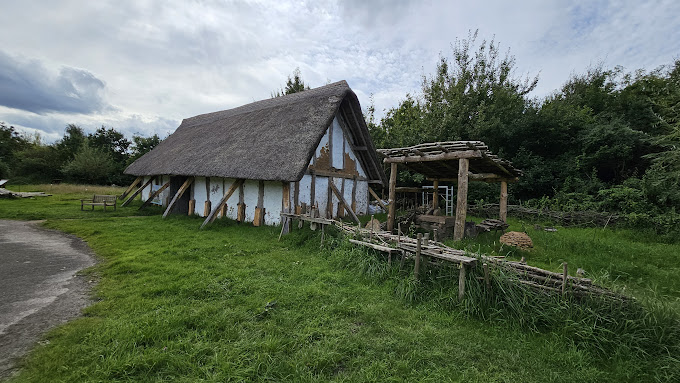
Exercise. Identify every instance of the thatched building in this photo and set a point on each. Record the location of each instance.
(256, 161)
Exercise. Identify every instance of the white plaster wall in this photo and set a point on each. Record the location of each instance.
(338, 139)
(353, 156)
(273, 194)
(216, 192)
(199, 195)
(250, 190)
(321, 195)
(305, 189)
(362, 197)
(324, 142)
(338, 184)
(145, 192)
(348, 192)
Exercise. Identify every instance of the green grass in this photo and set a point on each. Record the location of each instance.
(231, 303)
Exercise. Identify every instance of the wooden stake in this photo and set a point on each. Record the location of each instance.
(393, 196)
(192, 207)
(416, 269)
(564, 277)
(426, 239)
(371, 237)
(399, 233)
(487, 281)
(206, 208)
(461, 282)
(503, 214)
(461, 199)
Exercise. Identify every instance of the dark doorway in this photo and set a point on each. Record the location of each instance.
(182, 204)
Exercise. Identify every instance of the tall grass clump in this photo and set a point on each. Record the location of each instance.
(648, 329)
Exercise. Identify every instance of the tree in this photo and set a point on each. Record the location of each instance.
(73, 140)
(142, 145)
(111, 142)
(90, 165)
(11, 142)
(293, 85)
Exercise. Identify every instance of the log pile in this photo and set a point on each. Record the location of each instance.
(564, 218)
(532, 277)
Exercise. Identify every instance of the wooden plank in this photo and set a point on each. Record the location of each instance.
(147, 183)
(213, 213)
(485, 177)
(341, 198)
(503, 214)
(393, 196)
(461, 199)
(382, 205)
(132, 186)
(374, 246)
(154, 194)
(178, 195)
(434, 157)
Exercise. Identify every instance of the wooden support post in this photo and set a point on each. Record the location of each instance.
(329, 199)
(296, 197)
(285, 206)
(399, 233)
(154, 194)
(461, 199)
(416, 268)
(241, 212)
(435, 235)
(503, 215)
(565, 275)
(258, 219)
(207, 208)
(312, 191)
(127, 201)
(213, 213)
(178, 195)
(354, 194)
(487, 281)
(435, 194)
(461, 282)
(192, 206)
(132, 186)
(426, 239)
(223, 211)
(371, 224)
(393, 196)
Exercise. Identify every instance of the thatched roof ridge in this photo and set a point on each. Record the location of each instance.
(272, 139)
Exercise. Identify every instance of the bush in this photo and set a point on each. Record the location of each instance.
(91, 166)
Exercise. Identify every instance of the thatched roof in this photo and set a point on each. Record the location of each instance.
(272, 139)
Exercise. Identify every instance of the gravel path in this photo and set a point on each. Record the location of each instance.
(39, 288)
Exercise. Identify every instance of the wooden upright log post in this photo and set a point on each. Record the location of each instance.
(435, 195)
(285, 207)
(461, 199)
(503, 215)
(393, 197)
(416, 268)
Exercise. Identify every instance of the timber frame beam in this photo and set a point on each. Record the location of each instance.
(213, 213)
(434, 157)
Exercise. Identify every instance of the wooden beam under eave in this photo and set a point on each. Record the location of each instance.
(178, 195)
(154, 195)
(147, 183)
(434, 157)
(484, 177)
(213, 213)
(435, 195)
(393, 196)
(461, 199)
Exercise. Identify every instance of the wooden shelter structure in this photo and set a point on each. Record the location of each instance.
(451, 161)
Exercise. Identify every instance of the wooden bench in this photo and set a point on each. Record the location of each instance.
(100, 200)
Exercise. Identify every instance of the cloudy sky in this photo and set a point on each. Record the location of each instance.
(142, 66)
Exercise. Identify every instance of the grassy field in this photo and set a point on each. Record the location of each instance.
(231, 303)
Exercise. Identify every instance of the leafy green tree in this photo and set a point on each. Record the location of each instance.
(70, 144)
(111, 142)
(142, 145)
(11, 142)
(90, 165)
